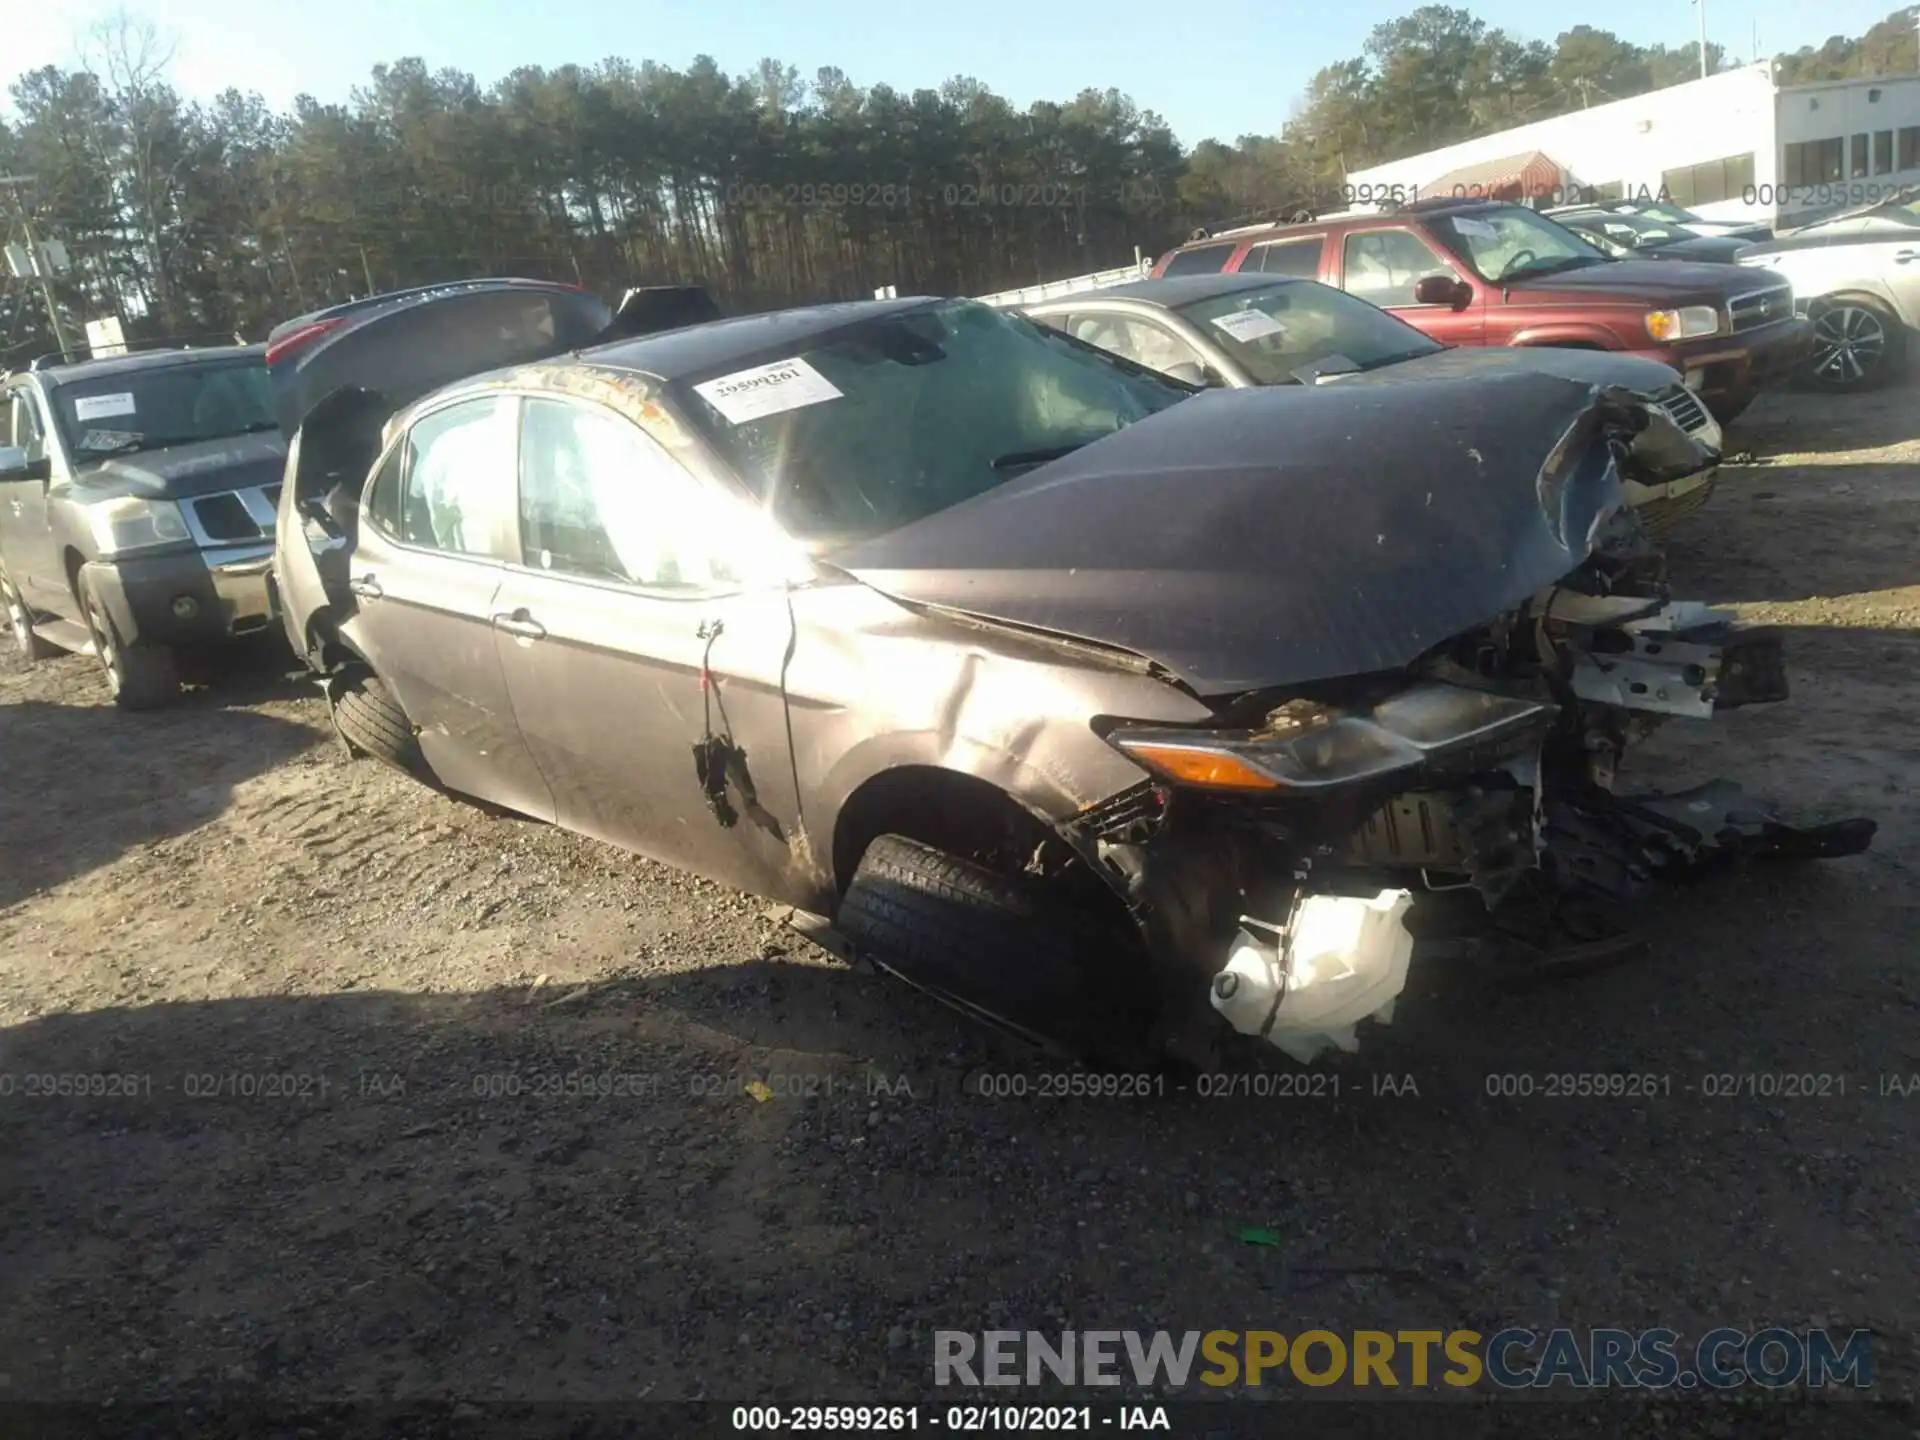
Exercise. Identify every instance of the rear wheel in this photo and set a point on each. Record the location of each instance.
(1001, 949)
(1858, 344)
(20, 623)
(141, 677)
(372, 723)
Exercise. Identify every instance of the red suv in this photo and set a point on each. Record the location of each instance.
(1478, 272)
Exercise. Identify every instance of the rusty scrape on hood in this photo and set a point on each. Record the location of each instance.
(1252, 538)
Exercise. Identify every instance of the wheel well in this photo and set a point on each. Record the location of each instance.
(951, 811)
(1562, 345)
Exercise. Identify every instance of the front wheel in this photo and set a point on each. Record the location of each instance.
(20, 623)
(1000, 949)
(372, 723)
(1858, 344)
(141, 677)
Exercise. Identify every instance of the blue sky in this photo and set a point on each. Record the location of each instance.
(1242, 77)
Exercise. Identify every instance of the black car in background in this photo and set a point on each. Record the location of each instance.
(1645, 237)
(137, 501)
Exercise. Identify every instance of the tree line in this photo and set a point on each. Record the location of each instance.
(194, 217)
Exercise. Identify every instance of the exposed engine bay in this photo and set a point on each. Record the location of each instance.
(1493, 766)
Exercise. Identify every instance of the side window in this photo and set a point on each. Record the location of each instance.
(599, 499)
(1299, 258)
(1383, 266)
(383, 496)
(457, 469)
(1201, 260)
(1140, 341)
(6, 418)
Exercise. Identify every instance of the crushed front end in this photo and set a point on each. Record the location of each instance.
(1283, 850)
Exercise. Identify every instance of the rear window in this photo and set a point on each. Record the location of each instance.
(1201, 260)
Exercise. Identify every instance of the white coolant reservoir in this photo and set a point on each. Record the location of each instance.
(1342, 960)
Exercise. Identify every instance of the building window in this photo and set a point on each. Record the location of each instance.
(1859, 156)
(1883, 152)
(1815, 162)
(1709, 182)
(1910, 148)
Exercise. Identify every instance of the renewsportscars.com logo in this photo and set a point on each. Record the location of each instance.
(1510, 1359)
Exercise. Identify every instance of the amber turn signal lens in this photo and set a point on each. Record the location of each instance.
(1207, 769)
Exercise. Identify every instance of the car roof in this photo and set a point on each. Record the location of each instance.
(146, 360)
(1438, 205)
(1173, 293)
(740, 339)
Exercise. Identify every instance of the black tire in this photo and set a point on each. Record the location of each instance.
(372, 723)
(999, 949)
(20, 624)
(1859, 344)
(141, 677)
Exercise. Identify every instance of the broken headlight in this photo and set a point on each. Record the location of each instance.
(1304, 749)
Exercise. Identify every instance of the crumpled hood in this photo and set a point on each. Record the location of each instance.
(235, 462)
(1265, 537)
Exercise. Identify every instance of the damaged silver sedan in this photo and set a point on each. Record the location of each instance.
(1116, 714)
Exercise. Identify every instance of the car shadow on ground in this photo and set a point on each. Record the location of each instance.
(173, 771)
(776, 1179)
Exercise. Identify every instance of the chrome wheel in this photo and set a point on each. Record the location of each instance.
(1850, 346)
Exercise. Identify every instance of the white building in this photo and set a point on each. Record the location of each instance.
(1734, 146)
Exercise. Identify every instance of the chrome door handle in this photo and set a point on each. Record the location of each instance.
(520, 625)
(366, 587)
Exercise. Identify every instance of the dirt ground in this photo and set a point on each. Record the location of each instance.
(424, 1205)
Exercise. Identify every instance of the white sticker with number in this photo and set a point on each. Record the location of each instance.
(102, 407)
(1249, 324)
(1479, 228)
(767, 390)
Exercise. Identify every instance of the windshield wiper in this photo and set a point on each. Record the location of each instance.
(1016, 458)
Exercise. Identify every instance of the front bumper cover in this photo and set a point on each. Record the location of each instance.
(228, 587)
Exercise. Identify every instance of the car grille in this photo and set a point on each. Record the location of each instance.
(1683, 407)
(1760, 307)
(236, 515)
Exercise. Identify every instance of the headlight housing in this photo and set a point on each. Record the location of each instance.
(1307, 754)
(1689, 322)
(131, 523)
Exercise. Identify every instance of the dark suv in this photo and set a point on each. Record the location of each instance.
(137, 498)
(1478, 272)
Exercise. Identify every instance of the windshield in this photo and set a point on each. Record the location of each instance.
(151, 408)
(1277, 330)
(893, 419)
(1509, 243)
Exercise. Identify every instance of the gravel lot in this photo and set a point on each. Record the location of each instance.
(214, 892)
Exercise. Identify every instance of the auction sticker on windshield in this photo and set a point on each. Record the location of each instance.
(102, 407)
(1249, 324)
(1480, 228)
(767, 390)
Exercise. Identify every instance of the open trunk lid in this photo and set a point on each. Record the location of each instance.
(338, 375)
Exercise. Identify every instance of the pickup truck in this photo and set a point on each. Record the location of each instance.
(137, 501)
(1479, 272)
